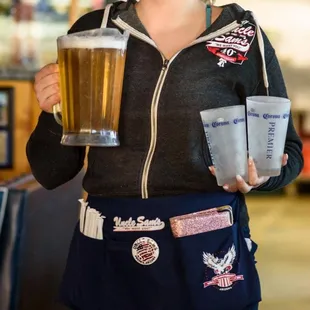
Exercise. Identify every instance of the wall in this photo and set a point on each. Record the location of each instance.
(26, 112)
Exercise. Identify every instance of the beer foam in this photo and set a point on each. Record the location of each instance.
(91, 42)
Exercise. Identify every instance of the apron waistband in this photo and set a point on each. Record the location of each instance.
(165, 207)
(101, 216)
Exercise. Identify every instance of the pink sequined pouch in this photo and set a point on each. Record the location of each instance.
(201, 222)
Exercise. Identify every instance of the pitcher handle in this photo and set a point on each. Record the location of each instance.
(57, 113)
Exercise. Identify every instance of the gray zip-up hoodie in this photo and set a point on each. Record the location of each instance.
(163, 148)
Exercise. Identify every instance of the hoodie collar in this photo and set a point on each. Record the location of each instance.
(231, 12)
(128, 14)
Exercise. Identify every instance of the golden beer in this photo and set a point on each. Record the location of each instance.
(91, 79)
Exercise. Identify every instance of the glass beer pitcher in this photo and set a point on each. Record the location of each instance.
(91, 65)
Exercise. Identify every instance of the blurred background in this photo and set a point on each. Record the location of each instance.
(31, 260)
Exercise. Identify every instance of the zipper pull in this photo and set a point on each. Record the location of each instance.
(165, 64)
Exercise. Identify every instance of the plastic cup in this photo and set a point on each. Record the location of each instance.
(225, 130)
(267, 121)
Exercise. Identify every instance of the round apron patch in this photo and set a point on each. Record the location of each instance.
(145, 251)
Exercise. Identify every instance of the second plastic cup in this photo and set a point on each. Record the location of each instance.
(267, 121)
(225, 130)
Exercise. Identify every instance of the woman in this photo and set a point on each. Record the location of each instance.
(174, 70)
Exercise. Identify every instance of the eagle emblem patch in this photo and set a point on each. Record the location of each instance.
(221, 267)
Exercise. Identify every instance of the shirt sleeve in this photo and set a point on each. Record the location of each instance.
(52, 164)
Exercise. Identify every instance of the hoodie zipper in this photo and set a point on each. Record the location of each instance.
(158, 89)
(154, 110)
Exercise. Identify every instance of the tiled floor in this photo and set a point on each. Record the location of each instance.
(281, 227)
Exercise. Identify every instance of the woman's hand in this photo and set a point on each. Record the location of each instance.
(47, 87)
(254, 179)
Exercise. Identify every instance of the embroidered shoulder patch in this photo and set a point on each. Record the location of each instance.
(233, 46)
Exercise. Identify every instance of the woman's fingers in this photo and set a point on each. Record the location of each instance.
(212, 170)
(243, 186)
(254, 180)
(284, 160)
(253, 177)
(47, 87)
(240, 185)
(230, 188)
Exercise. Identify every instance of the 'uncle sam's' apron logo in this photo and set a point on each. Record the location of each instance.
(224, 280)
(233, 46)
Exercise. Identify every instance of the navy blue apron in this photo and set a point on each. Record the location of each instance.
(149, 269)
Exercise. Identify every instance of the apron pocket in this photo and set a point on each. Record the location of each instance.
(82, 285)
(144, 274)
(219, 269)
